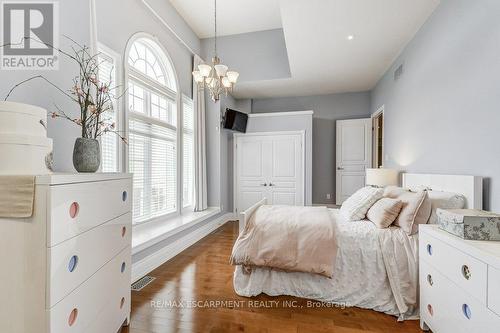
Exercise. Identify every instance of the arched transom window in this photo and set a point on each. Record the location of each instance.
(146, 57)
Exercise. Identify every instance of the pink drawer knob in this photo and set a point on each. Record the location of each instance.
(466, 272)
(72, 317)
(430, 310)
(73, 209)
(124, 231)
(122, 302)
(124, 196)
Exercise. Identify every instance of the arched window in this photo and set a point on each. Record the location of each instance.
(146, 57)
(153, 108)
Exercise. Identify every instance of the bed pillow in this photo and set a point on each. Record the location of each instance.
(356, 206)
(416, 208)
(444, 200)
(384, 212)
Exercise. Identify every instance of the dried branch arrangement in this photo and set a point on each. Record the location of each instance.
(94, 97)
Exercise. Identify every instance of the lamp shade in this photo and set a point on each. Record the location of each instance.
(382, 177)
(204, 70)
(232, 76)
(221, 70)
(226, 83)
(197, 76)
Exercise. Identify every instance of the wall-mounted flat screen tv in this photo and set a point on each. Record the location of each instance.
(235, 120)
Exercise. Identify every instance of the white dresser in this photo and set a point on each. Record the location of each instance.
(459, 283)
(67, 268)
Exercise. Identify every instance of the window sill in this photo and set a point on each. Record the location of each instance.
(150, 233)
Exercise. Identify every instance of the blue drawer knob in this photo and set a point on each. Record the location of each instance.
(466, 311)
(429, 249)
(72, 263)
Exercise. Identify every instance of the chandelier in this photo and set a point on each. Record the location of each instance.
(216, 78)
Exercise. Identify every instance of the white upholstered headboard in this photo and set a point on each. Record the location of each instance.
(471, 187)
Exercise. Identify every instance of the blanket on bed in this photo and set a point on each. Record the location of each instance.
(400, 255)
(374, 269)
(289, 238)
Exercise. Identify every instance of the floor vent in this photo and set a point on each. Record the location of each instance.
(143, 282)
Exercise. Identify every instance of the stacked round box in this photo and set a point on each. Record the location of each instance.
(24, 146)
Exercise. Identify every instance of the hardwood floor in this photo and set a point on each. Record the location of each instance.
(202, 273)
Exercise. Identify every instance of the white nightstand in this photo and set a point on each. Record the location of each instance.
(459, 283)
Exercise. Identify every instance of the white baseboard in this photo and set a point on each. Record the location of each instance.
(158, 258)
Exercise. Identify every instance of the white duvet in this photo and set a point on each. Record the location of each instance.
(375, 269)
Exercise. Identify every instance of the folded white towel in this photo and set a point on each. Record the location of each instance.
(16, 196)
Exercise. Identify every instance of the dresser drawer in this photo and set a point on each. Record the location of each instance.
(494, 289)
(76, 208)
(75, 260)
(99, 305)
(434, 308)
(453, 310)
(467, 272)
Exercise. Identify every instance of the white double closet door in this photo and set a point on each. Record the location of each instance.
(269, 165)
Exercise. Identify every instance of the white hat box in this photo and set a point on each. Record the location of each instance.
(22, 119)
(25, 155)
(24, 146)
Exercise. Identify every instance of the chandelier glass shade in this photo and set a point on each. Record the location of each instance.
(216, 78)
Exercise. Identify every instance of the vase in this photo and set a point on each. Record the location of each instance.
(86, 155)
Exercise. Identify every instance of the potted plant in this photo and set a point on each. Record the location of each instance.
(95, 101)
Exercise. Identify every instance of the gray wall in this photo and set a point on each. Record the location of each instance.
(40, 93)
(443, 114)
(256, 56)
(327, 109)
(114, 31)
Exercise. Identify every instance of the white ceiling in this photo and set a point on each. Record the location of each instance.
(233, 16)
(322, 59)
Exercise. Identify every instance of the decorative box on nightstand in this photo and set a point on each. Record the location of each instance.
(67, 268)
(473, 224)
(459, 283)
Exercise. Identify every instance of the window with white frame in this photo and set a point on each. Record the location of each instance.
(109, 141)
(188, 152)
(155, 135)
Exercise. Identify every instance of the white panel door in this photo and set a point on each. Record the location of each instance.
(286, 178)
(353, 152)
(251, 173)
(269, 166)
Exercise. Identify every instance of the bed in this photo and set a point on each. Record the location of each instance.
(374, 268)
